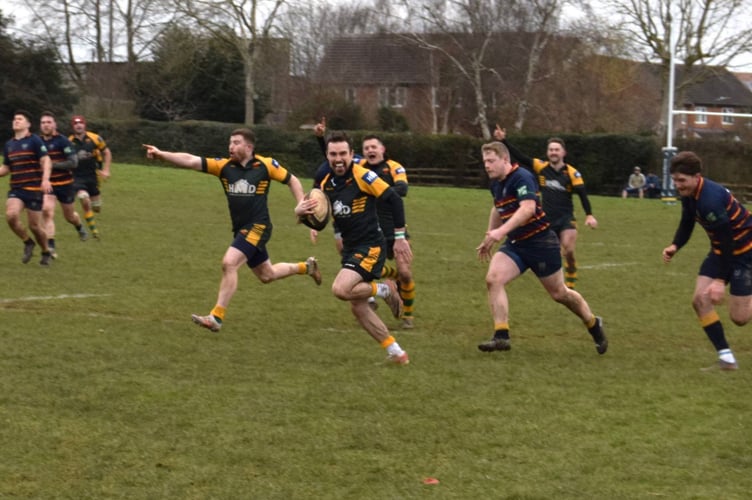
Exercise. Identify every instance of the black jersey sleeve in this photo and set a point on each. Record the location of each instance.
(582, 193)
(518, 156)
(390, 197)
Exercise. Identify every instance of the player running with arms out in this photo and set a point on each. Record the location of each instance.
(64, 161)
(246, 178)
(729, 227)
(517, 215)
(29, 166)
(558, 180)
(353, 190)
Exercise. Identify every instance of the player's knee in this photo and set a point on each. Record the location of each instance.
(700, 302)
(82, 195)
(340, 292)
(740, 318)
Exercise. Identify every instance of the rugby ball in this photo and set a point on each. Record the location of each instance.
(320, 216)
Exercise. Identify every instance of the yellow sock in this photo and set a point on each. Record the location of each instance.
(218, 312)
(387, 342)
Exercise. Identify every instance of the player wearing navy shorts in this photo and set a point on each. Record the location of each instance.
(729, 227)
(518, 216)
(64, 161)
(29, 166)
(558, 181)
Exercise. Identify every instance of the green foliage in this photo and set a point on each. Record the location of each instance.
(192, 77)
(604, 160)
(392, 121)
(340, 114)
(109, 391)
(30, 79)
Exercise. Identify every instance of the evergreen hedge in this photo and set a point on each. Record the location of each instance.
(605, 160)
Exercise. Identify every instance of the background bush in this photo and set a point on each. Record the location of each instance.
(605, 160)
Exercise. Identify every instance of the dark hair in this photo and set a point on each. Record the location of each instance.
(372, 136)
(558, 140)
(47, 113)
(23, 113)
(338, 136)
(247, 134)
(687, 163)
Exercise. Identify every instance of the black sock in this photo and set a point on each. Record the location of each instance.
(501, 334)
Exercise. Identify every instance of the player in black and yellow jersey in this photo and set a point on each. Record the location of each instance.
(353, 190)
(94, 161)
(557, 180)
(64, 161)
(395, 175)
(246, 178)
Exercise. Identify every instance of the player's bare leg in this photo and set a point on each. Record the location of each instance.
(568, 240)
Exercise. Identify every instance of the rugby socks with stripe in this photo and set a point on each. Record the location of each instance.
(407, 293)
(711, 324)
(501, 331)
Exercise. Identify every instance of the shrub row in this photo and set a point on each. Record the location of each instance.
(604, 160)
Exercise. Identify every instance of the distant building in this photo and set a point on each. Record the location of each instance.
(715, 90)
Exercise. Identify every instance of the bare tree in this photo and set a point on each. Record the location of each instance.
(464, 32)
(244, 24)
(96, 30)
(705, 33)
(324, 22)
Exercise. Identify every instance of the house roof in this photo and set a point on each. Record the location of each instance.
(716, 87)
(746, 79)
(374, 59)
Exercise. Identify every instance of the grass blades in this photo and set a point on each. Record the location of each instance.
(107, 390)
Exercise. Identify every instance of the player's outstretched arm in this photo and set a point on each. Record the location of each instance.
(182, 160)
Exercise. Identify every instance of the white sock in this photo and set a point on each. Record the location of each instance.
(726, 356)
(382, 290)
(394, 349)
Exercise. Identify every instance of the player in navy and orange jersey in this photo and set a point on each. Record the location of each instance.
(557, 180)
(353, 190)
(518, 216)
(64, 160)
(246, 178)
(94, 160)
(728, 225)
(29, 166)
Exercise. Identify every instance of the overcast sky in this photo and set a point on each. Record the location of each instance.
(20, 11)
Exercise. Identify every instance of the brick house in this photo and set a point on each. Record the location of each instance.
(381, 71)
(375, 71)
(715, 91)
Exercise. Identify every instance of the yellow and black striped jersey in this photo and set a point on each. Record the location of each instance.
(353, 198)
(247, 187)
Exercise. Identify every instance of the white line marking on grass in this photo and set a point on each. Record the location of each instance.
(55, 297)
(606, 265)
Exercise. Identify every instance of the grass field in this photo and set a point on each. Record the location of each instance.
(107, 390)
